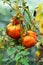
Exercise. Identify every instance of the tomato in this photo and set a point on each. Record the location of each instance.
(29, 39)
(14, 20)
(17, 19)
(31, 33)
(13, 30)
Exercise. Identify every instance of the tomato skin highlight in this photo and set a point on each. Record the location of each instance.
(29, 40)
(13, 31)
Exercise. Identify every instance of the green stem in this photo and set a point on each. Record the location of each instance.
(9, 4)
(26, 9)
(21, 30)
(28, 13)
(17, 63)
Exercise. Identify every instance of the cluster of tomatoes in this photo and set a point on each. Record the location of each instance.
(13, 30)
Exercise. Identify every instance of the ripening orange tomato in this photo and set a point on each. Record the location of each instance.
(31, 33)
(29, 39)
(13, 30)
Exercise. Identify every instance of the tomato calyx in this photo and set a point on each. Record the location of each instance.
(26, 34)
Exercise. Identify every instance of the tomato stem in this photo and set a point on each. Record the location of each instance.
(28, 14)
(21, 30)
(26, 9)
(17, 63)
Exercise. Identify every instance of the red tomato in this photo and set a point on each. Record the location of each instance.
(17, 19)
(29, 40)
(14, 20)
(13, 31)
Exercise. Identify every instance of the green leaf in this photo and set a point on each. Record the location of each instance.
(8, 0)
(20, 47)
(11, 51)
(24, 61)
(24, 52)
(11, 60)
(4, 60)
(12, 43)
(1, 58)
(18, 56)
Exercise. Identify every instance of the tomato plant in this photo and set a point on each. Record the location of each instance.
(21, 35)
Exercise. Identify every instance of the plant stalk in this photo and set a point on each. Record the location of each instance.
(26, 9)
(17, 63)
(21, 30)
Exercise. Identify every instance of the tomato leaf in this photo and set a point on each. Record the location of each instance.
(24, 61)
(11, 60)
(24, 52)
(11, 51)
(20, 47)
(4, 60)
(12, 43)
(18, 56)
